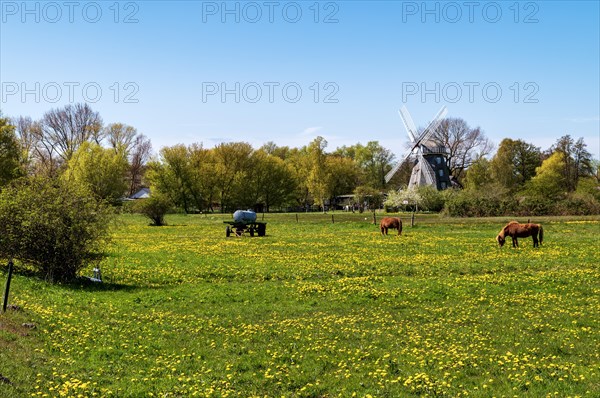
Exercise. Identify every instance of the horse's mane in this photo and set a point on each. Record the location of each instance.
(505, 228)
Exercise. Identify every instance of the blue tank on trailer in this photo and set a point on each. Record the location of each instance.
(244, 216)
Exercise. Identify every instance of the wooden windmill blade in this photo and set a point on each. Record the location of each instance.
(395, 169)
(428, 174)
(408, 123)
(433, 125)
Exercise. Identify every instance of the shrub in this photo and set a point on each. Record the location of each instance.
(155, 207)
(55, 227)
(431, 198)
(491, 201)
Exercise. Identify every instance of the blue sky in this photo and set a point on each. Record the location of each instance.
(208, 72)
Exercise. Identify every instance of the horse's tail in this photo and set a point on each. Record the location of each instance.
(541, 234)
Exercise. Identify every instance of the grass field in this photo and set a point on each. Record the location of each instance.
(315, 309)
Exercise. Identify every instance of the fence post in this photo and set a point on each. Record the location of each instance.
(374, 218)
(296, 217)
(10, 271)
(412, 219)
(332, 221)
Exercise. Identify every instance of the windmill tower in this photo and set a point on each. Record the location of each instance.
(430, 167)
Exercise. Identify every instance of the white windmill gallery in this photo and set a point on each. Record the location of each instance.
(428, 158)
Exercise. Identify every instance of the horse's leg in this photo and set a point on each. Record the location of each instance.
(515, 241)
(535, 240)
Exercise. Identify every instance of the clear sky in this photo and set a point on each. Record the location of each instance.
(284, 71)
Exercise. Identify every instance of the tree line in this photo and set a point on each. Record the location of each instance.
(113, 161)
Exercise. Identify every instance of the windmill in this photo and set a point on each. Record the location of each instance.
(430, 166)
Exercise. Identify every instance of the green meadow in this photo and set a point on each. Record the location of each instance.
(320, 307)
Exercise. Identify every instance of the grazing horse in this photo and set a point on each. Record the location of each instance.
(390, 223)
(516, 230)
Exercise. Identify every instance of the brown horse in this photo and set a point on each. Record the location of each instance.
(516, 230)
(390, 223)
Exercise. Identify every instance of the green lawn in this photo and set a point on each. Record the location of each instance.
(315, 309)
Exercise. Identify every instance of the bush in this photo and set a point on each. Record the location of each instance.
(489, 202)
(431, 199)
(155, 207)
(55, 227)
(577, 203)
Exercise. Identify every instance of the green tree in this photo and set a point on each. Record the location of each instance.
(403, 199)
(318, 176)
(10, 153)
(101, 170)
(375, 162)
(344, 175)
(233, 165)
(577, 160)
(515, 163)
(170, 175)
(55, 226)
(478, 175)
(367, 198)
(298, 160)
(155, 207)
(549, 181)
(273, 182)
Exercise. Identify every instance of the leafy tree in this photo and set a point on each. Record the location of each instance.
(478, 175)
(344, 175)
(298, 161)
(270, 148)
(202, 179)
(375, 161)
(367, 198)
(171, 175)
(318, 177)
(55, 226)
(155, 207)
(430, 198)
(403, 198)
(549, 181)
(577, 160)
(515, 163)
(100, 170)
(233, 164)
(10, 153)
(272, 180)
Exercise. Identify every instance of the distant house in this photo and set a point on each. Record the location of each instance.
(143, 193)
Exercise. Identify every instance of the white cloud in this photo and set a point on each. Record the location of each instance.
(583, 119)
(310, 130)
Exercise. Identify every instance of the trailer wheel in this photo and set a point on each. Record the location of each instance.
(251, 231)
(262, 230)
(227, 232)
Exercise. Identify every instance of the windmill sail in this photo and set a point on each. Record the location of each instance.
(433, 125)
(395, 169)
(422, 173)
(408, 123)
